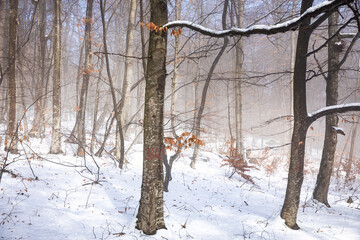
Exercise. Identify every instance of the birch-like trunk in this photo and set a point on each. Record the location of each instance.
(238, 85)
(55, 147)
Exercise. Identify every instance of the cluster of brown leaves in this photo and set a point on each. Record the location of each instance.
(87, 20)
(176, 33)
(236, 162)
(183, 141)
(153, 27)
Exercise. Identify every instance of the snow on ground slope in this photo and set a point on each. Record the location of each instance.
(202, 203)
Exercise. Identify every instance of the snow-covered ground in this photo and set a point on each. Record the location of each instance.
(202, 203)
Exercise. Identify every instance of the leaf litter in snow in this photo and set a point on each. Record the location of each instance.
(65, 202)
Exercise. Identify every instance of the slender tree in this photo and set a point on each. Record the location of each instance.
(239, 56)
(41, 81)
(11, 133)
(150, 217)
(81, 134)
(330, 141)
(55, 147)
(197, 122)
(128, 74)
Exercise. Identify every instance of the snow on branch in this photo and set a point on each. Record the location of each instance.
(262, 29)
(333, 109)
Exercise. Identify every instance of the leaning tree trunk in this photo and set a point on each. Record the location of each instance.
(128, 74)
(198, 117)
(55, 147)
(11, 133)
(150, 217)
(296, 173)
(81, 135)
(328, 154)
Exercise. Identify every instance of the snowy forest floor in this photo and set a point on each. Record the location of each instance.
(201, 204)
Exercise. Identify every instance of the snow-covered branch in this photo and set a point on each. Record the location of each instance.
(262, 29)
(333, 109)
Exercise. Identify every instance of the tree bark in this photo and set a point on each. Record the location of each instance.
(296, 173)
(81, 135)
(11, 133)
(39, 118)
(330, 141)
(55, 147)
(238, 75)
(150, 217)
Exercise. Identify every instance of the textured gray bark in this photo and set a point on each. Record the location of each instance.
(330, 141)
(11, 134)
(81, 134)
(55, 147)
(150, 217)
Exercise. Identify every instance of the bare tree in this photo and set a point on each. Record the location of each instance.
(11, 133)
(330, 141)
(239, 56)
(81, 134)
(150, 217)
(55, 147)
(302, 120)
(37, 129)
(197, 122)
(128, 74)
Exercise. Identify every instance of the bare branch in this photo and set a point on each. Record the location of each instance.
(333, 109)
(326, 6)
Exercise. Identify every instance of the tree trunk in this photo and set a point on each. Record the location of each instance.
(128, 74)
(356, 118)
(72, 138)
(36, 130)
(81, 135)
(328, 154)
(238, 73)
(168, 164)
(205, 89)
(150, 217)
(296, 174)
(55, 147)
(11, 133)
(96, 109)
